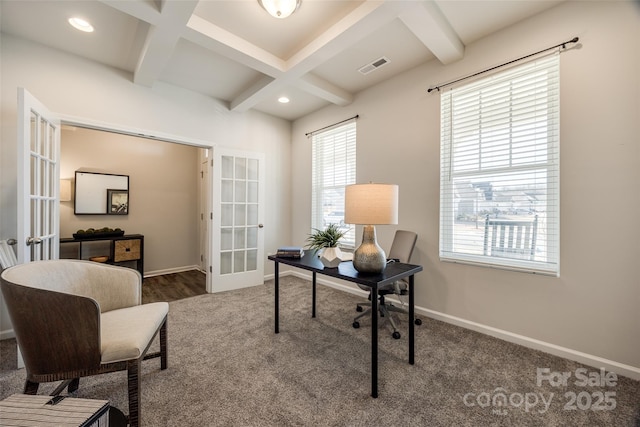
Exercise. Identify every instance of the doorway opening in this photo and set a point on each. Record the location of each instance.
(169, 194)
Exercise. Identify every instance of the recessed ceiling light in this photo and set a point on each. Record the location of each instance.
(283, 99)
(81, 24)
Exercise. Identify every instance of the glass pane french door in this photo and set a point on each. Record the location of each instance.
(238, 237)
(38, 181)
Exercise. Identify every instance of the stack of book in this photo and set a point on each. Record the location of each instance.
(290, 252)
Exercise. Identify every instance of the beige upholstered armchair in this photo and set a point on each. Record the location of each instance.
(75, 318)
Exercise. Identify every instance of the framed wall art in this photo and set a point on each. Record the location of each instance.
(117, 202)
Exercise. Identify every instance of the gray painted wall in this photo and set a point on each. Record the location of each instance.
(593, 306)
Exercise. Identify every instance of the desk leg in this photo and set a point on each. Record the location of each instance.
(276, 293)
(313, 296)
(374, 341)
(411, 320)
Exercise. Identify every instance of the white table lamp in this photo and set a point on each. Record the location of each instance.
(370, 205)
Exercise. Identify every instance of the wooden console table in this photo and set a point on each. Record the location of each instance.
(125, 251)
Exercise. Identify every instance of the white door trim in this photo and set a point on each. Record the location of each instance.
(132, 131)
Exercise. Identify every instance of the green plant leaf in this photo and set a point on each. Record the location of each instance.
(327, 238)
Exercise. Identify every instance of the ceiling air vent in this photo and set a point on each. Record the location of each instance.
(374, 65)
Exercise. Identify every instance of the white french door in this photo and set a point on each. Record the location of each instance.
(38, 169)
(237, 255)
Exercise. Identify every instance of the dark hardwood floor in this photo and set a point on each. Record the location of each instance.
(174, 286)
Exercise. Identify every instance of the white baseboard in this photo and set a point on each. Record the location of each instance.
(5, 335)
(629, 371)
(556, 350)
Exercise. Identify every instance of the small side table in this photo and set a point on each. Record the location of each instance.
(27, 410)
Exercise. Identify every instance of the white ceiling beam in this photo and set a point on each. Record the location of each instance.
(268, 87)
(362, 21)
(162, 39)
(202, 33)
(176, 19)
(141, 9)
(429, 25)
(321, 88)
(254, 94)
(221, 41)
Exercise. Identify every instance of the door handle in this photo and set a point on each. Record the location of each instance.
(260, 226)
(33, 241)
(11, 242)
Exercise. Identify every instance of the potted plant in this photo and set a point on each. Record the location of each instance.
(326, 243)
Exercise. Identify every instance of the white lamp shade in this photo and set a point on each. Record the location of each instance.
(65, 190)
(280, 8)
(371, 204)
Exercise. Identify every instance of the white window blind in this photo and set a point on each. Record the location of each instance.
(499, 180)
(333, 168)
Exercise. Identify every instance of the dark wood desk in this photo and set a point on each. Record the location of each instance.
(394, 271)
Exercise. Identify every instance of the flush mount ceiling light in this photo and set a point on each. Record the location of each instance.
(283, 99)
(280, 8)
(81, 24)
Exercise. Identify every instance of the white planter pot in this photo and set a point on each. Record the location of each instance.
(331, 257)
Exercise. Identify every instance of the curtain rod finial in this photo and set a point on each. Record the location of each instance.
(573, 40)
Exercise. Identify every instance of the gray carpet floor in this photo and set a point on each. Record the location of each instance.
(228, 368)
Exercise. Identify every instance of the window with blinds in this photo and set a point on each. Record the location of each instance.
(499, 178)
(333, 168)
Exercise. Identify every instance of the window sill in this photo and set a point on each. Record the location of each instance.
(519, 266)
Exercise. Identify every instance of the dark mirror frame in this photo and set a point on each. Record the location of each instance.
(93, 192)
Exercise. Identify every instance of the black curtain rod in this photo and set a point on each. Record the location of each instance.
(330, 126)
(573, 40)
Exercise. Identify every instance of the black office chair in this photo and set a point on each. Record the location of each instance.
(401, 250)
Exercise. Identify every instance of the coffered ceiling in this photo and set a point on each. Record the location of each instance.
(234, 51)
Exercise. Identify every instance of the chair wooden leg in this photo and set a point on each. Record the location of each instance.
(30, 387)
(73, 385)
(133, 372)
(66, 384)
(163, 345)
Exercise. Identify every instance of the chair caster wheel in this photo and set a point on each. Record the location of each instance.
(396, 335)
(356, 325)
(418, 321)
(358, 309)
